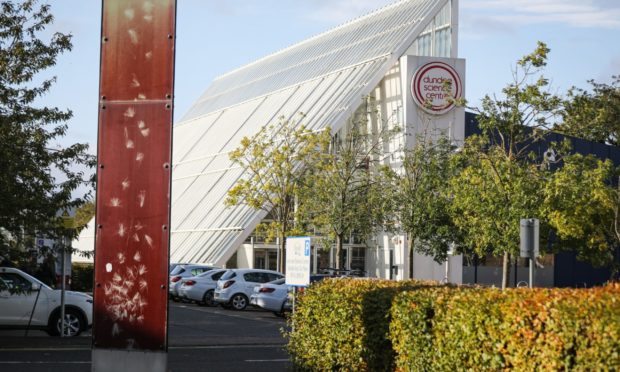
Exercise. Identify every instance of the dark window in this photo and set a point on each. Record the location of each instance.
(16, 282)
(217, 275)
(273, 277)
(253, 277)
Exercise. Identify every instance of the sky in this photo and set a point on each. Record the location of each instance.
(216, 36)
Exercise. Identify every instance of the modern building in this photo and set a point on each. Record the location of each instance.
(396, 59)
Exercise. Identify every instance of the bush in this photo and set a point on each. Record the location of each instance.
(517, 329)
(380, 325)
(343, 324)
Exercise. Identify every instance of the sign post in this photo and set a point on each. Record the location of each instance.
(298, 250)
(529, 245)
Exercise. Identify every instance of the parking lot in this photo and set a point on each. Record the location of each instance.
(200, 338)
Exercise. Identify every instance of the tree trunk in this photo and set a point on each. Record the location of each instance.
(410, 246)
(506, 270)
(339, 252)
(282, 248)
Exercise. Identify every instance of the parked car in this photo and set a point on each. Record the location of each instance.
(200, 288)
(184, 271)
(236, 286)
(271, 296)
(26, 302)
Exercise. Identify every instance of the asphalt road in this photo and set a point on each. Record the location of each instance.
(200, 339)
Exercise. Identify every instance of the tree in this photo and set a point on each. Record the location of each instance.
(346, 194)
(277, 162)
(422, 198)
(36, 182)
(594, 116)
(501, 181)
(583, 206)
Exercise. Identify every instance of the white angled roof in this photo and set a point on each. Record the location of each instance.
(325, 77)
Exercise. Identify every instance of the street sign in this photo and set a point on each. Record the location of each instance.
(298, 261)
(529, 245)
(68, 222)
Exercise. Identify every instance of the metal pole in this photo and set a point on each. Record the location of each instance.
(532, 269)
(62, 287)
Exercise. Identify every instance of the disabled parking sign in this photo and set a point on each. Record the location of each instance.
(298, 261)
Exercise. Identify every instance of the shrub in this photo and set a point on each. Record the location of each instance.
(518, 329)
(343, 324)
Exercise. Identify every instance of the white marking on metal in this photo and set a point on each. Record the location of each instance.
(141, 96)
(139, 157)
(121, 230)
(133, 35)
(129, 113)
(141, 198)
(138, 226)
(134, 81)
(148, 240)
(125, 184)
(129, 13)
(136, 238)
(115, 202)
(117, 278)
(128, 143)
(143, 284)
(148, 55)
(142, 269)
(148, 18)
(143, 129)
(121, 258)
(137, 257)
(148, 7)
(108, 267)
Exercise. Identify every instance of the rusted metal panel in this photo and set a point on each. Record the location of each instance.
(133, 178)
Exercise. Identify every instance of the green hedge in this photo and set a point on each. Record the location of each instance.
(378, 325)
(516, 329)
(343, 324)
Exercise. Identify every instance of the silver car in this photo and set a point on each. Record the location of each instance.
(271, 296)
(200, 288)
(237, 285)
(184, 271)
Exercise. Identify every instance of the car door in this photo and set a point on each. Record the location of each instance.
(16, 299)
(252, 279)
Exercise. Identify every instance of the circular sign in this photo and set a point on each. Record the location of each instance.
(435, 86)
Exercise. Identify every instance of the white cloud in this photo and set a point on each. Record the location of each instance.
(576, 13)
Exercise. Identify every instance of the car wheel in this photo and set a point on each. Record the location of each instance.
(239, 301)
(74, 323)
(207, 299)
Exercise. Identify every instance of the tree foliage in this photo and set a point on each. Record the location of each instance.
(277, 163)
(421, 198)
(501, 181)
(36, 182)
(345, 197)
(594, 116)
(583, 206)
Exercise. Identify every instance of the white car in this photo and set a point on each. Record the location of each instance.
(271, 296)
(237, 285)
(200, 288)
(26, 302)
(184, 271)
